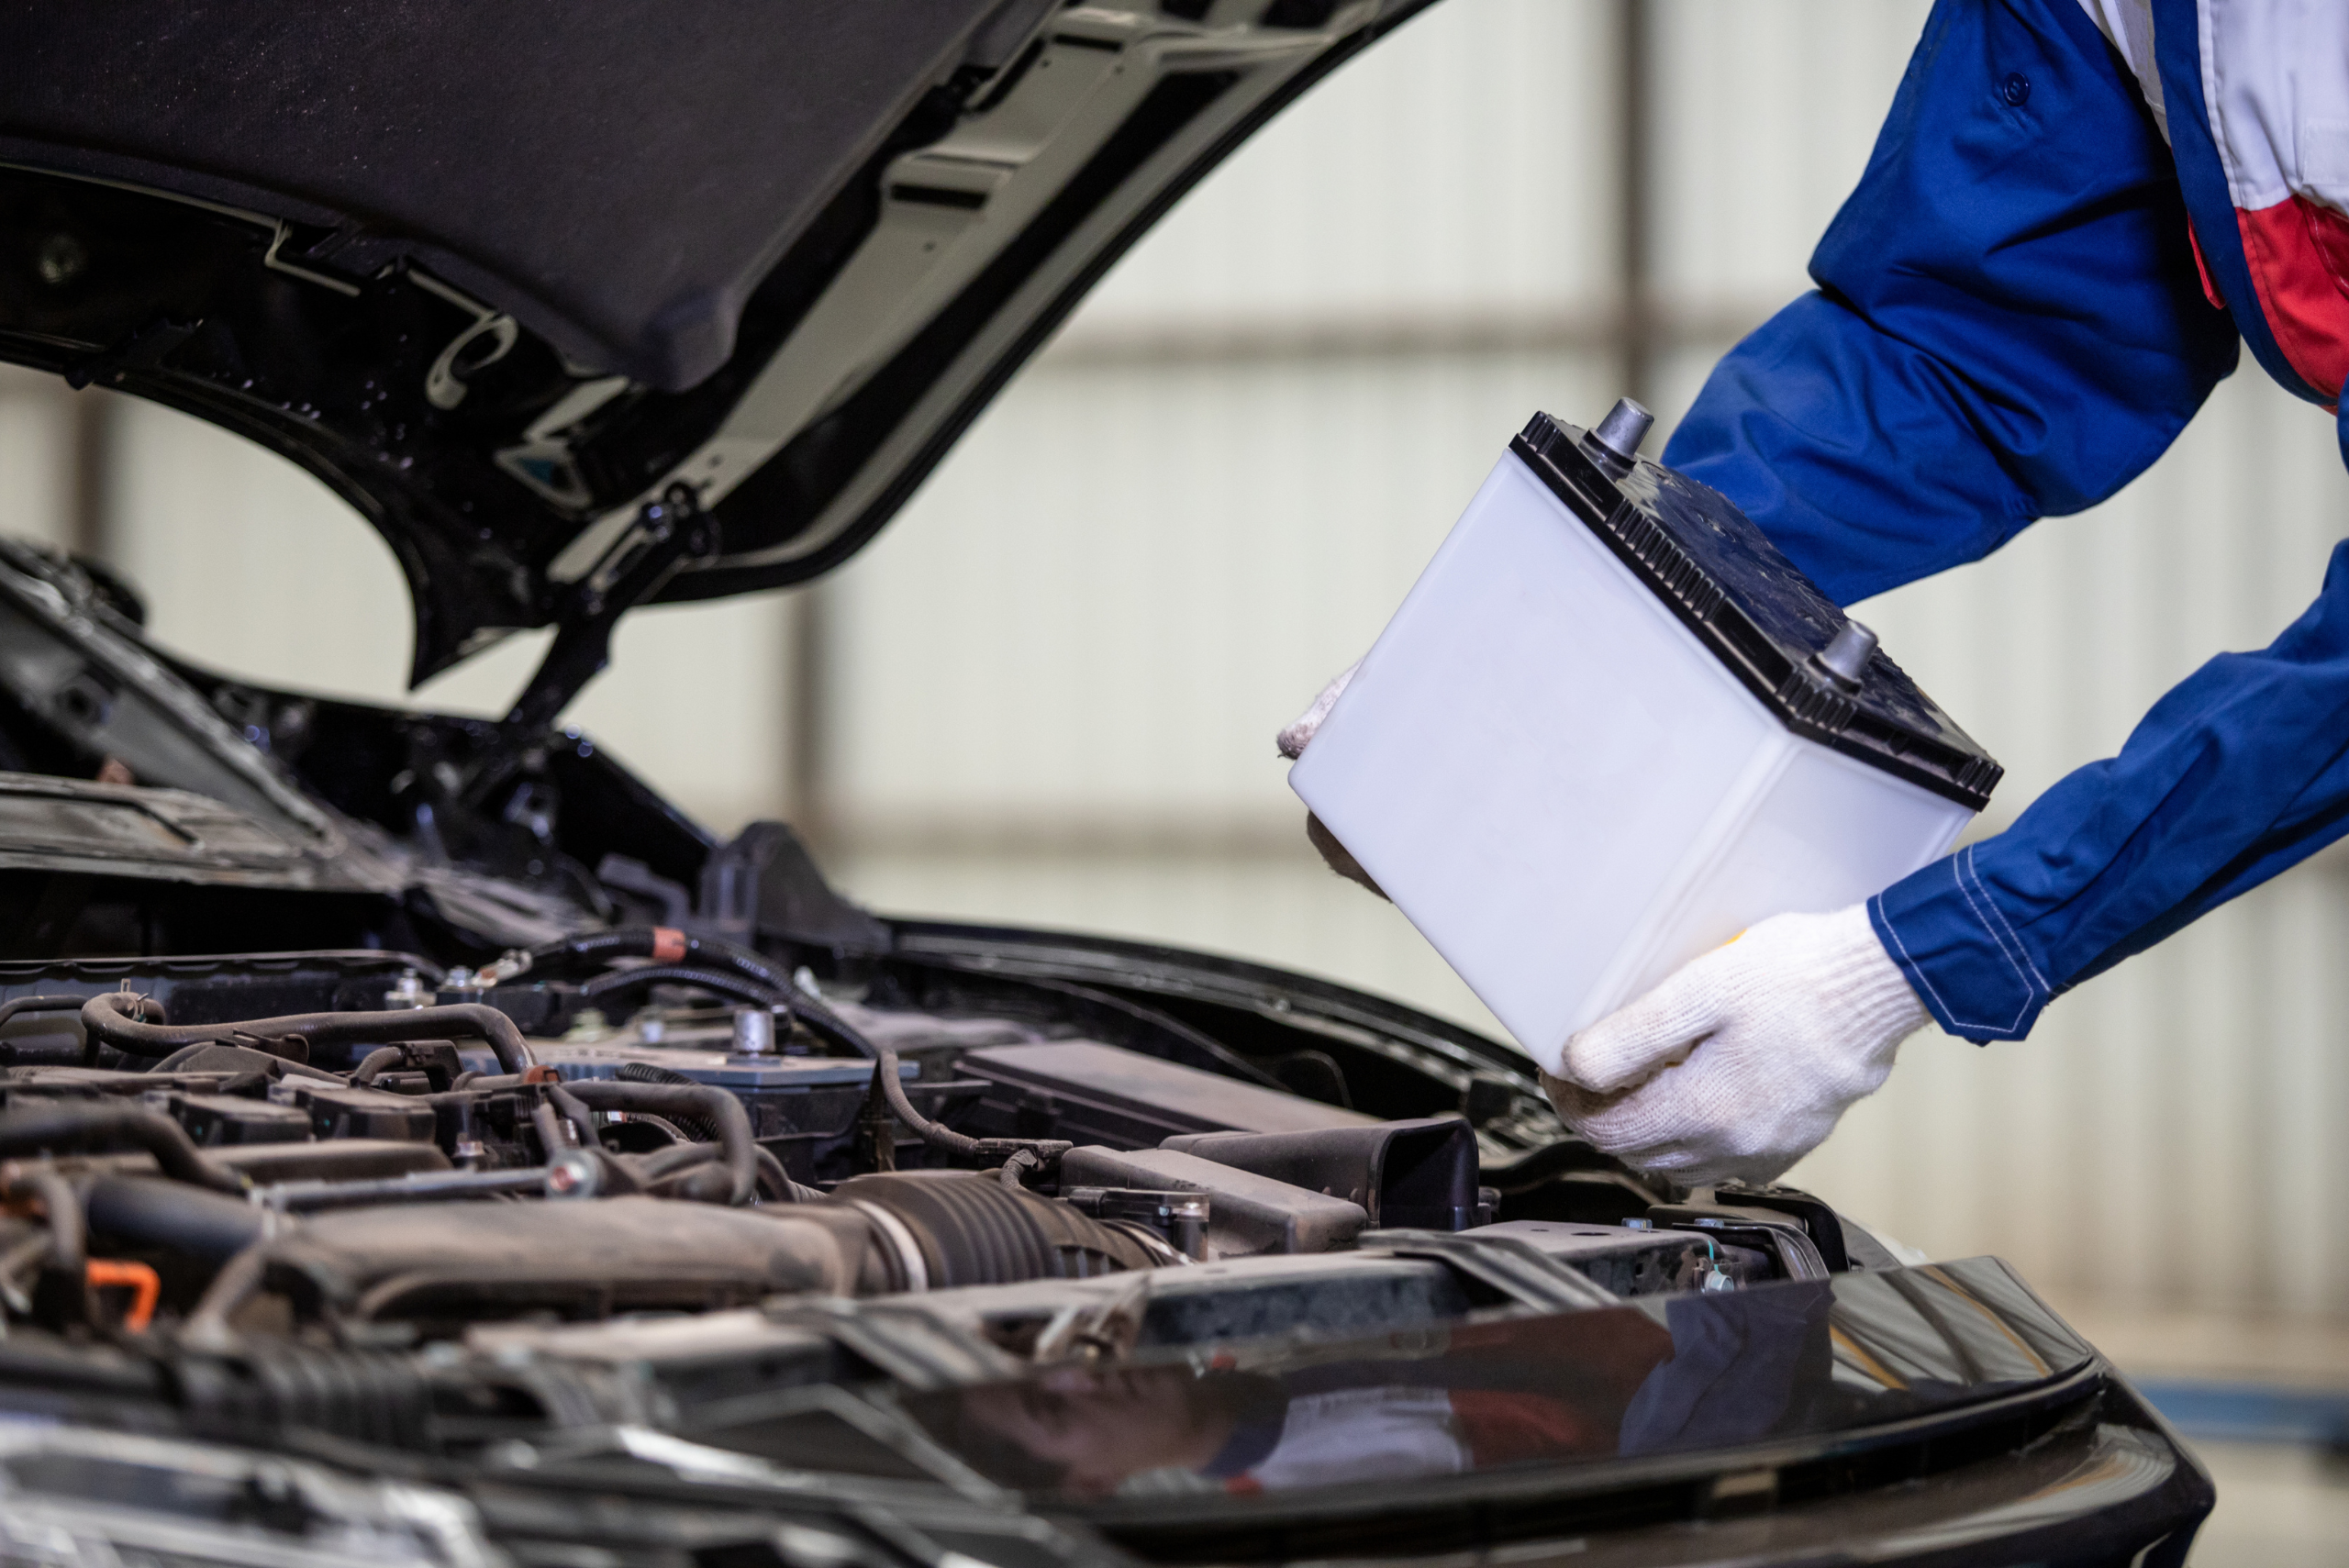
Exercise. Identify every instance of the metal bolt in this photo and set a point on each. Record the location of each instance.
(753, 1031)
(407, 991)
(571, 1175)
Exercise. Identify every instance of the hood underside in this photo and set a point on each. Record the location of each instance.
(504, 278)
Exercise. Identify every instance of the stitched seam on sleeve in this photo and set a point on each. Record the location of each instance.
(2029, 996)
(1974, 905)
(1923, 979)
(2004, 934)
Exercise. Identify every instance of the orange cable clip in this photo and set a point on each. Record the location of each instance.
(144, 1287)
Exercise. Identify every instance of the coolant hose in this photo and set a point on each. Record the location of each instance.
(16, 1007)
(739, 1148)
(19, 1007)
(1042, 1154)
(106, 1019)
(35, 1129)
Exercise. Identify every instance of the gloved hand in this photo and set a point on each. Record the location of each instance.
(1292, 742)
(1743, 1060)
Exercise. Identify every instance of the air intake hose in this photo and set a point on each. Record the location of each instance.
(941, 1229)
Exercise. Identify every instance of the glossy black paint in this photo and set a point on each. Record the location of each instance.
(1391, 1054)
(1937, 1413)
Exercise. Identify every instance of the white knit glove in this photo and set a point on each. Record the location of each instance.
(1292, 742)
(1298, 733)
(1744, 1061)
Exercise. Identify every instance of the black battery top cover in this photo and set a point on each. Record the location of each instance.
(1755, 611)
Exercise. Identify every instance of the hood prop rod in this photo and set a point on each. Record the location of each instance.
(667, 533)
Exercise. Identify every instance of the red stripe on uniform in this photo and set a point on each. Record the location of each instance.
(2299, 256)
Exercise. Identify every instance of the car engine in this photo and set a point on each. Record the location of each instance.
(331, 1211)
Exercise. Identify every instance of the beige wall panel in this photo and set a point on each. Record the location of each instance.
(1125, 580)
(36, 457)
(1461, 163)
(1765, 113)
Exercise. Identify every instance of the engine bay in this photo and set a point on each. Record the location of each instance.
(392, 1215)
(413, 1131)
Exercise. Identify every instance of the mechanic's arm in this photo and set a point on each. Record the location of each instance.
(2009, 324)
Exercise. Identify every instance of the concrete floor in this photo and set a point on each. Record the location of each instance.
(2278, 1508)
(2280, 1505)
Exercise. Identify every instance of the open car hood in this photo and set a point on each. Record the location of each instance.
(613, 304)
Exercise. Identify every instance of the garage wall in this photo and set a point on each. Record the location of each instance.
(1047, 694)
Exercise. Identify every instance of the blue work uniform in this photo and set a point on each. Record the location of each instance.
(2010, 321)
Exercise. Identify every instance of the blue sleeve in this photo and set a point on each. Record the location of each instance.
(2009, 320)
(2009, 323)
(2240, 772)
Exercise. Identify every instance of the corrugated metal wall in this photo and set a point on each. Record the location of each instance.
(1047, 694)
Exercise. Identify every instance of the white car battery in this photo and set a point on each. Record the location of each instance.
(1611, 726)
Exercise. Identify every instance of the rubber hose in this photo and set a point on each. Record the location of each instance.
(741, 1149)
(1046, 1152)
(549, 1127)
(68, 1240)
(18, 1007)
(106, 1020)
(39, 1129)
(377, 1063)
(21, 1005)
(148, 1009)
(582, 1119)
(790, 1190)
(145, 1211)
(664, 1162)
(692, 1127)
